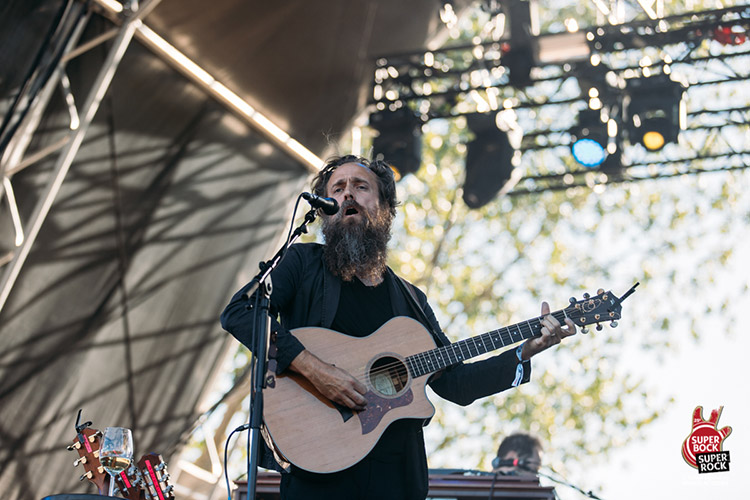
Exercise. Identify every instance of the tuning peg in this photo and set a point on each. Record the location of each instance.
(74, 446)
(81, 460)
(613, 324)
(584, 330)
(586, 296)
(599, 327)
(88, 475)
(572, 300)
(92, 438)
(600, 291)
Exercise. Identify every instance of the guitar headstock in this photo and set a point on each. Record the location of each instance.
(87, 443)
(603, 307)
(156, 477)
(130, 484)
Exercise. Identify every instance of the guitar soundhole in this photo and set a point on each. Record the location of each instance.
(388, 376)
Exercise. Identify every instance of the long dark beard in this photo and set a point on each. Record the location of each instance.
(357, 249)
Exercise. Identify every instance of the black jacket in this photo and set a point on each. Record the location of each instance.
(306, 294)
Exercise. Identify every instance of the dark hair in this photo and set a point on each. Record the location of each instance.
(523, 444)
(383, 172)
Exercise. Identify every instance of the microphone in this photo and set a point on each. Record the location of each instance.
(497, 462)
(329, 206)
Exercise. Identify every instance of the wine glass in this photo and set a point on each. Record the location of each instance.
(115, 452)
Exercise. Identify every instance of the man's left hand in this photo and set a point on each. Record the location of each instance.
(552, 333)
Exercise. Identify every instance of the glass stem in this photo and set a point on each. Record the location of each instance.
(111, 485)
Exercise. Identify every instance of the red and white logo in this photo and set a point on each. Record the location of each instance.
(704, 436)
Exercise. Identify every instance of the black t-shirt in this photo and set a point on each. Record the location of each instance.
(362, 310)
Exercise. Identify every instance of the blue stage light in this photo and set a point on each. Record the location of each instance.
(588, 152)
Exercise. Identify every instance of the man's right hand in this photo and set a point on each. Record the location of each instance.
(332, 382)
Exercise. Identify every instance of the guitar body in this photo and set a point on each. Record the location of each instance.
(316, 435)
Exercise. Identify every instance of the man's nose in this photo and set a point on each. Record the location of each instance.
(348, 192)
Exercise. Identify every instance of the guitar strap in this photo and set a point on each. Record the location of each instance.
(411, 296)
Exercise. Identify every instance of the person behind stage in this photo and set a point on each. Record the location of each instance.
(522, 448)
(345, 285)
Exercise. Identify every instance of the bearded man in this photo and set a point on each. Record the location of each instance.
(345, 285)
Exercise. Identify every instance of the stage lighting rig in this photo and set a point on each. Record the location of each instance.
(490, 159)
(399, 139)
(589, 139)
(656, 111)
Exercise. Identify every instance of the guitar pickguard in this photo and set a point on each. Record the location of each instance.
(378, 406)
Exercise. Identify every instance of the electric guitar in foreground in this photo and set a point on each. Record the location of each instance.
(394, 362)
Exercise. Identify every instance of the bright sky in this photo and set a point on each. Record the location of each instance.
(711, 374)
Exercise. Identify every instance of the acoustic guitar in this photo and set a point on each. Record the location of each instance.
(394, 362)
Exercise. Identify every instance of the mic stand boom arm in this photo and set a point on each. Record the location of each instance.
(261, 303)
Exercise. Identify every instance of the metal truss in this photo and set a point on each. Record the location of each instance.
(21, 122)
(707, 50)
(32, 101)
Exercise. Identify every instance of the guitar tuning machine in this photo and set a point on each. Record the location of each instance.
(599, 327)
(586, 296)
(74, 446)
(92, 438)
(584, 330)
(81, 460)
(613, 324)
(572, 300)
(88, 475)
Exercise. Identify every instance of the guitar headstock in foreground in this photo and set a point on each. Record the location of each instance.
(146, 480)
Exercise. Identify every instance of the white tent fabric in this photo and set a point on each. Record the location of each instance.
(170, 203)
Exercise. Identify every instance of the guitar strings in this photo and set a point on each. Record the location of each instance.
(443, 351)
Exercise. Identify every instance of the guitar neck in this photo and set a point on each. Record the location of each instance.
(431, 361)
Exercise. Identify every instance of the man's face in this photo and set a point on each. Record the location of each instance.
(355, 188)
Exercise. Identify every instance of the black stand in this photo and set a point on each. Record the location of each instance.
(259, 299)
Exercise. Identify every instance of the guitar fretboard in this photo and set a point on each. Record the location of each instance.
(427, 362)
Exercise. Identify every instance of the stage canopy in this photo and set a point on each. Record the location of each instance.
(174, 196)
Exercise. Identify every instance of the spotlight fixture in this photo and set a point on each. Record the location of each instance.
(489, 160)
(656, 112)
(399, 140)
(589, 139)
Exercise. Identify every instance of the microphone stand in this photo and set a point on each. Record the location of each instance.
(564, 482)
(262, 326)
